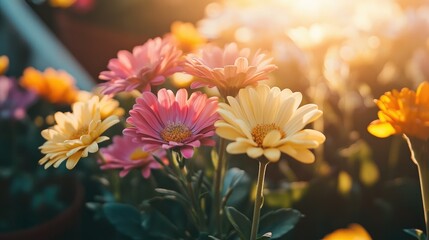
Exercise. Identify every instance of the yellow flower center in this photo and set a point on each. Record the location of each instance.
(261, 130)
(138, 154)
(175, 132)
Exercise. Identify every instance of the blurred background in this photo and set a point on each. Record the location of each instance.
(339, 54)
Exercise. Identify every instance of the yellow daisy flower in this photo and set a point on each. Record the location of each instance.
(187, 36)
(404, 112)
(4, 64)
(55, 86)
(108, 105)
(266, 121)
(353, 232)
(76, 134)
(61, 3)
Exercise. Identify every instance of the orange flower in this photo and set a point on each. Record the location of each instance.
(55, 86)
(353, 232)
(62, 3)
(4, 64)
(187, 36)
(405, 112)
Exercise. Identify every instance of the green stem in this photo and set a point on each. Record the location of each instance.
(423, 168)
(185, 188)
(419, 151)
(218, 179)
(258, 198)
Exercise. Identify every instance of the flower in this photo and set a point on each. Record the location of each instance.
(84, 5)
(228, 69)
(126, 155)
(61, 3)
(265, 122)
(57, 87)
(404, 112)
(4, 64)
(13, 100)
(76, 134)
(173, 122)
(187, 36)
(148, 64)
(353, 232)
(108, 105)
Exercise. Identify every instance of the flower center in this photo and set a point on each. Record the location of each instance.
(261, 130)
(175, 132)
(138, 154)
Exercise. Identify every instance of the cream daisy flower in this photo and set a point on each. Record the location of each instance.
(265, 122)
(76, 134)
(108, 105)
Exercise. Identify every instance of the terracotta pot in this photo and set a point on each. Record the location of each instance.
(63, 224)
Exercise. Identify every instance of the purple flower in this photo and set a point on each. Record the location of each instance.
(14, 100)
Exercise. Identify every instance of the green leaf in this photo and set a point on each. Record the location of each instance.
(265, 236)
(126, 219)
(417, 233)
(173, 195)
(239, 221)
(197, 181)
(236, 187)
(279, 222)
(159, 225)
(213, 237)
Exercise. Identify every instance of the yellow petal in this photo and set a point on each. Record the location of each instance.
(74, 150)
(227, 131)
(59, 161)
(272, 154)
(93, 147)
(354, 231)
(381, 129)
(301, 154)
(307, 138)
(238, 147)
(102, 139)
(72, 161)
(272, 139)
(255, 152)
(423, 93)
(231, 119)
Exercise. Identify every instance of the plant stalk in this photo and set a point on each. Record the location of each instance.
(217, 188)
(423, 168)
(420, 156)
(258, 198)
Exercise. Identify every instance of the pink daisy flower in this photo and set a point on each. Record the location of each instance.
(173, 122)
(228, 69)
(127, 155)
(148, 64)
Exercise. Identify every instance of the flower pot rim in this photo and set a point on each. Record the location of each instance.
(56, 225)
